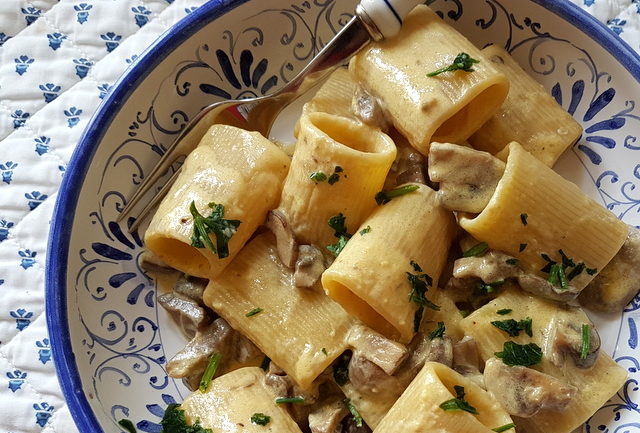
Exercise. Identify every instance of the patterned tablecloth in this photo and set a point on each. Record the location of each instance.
(58, 59)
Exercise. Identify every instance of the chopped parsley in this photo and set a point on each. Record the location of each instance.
(504, 311)
(586, 341)
(365, 230)
(285, 400)
(476, 250)
(254, 312)
(341, 368)
(523, 218)
(210, 371)
(384, 197)
(337, 223)
(592, 271)
(520, 354)
(318, 176)
(557, 276)
(336, 175)
(561, 273)
(420, 284)
(325, 351)
(504, 428)
(260, 418)
(127, 425)
(357, 418)
(438, 332)
(175, 422)
(487, 288)
(513, 327)
(512, 262)
(223, 229)
(462, 62)
(458, 403)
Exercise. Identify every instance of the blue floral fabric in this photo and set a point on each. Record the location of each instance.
(58, 60)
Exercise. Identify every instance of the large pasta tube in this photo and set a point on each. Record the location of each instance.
(358, 155)
(529, 116)
(448, 107)
(241, 170)
(232, 400)
(302, 331)
(418, 409)
(369, 277)
(594, 385)
(536, 216)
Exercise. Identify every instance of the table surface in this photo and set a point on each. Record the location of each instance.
(58, 59)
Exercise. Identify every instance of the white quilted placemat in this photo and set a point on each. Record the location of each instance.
(58, 59)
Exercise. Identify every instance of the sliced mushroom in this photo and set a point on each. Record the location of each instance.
(490, 267)
(186, 312)
(284, 386)
(193, 287)
(285, 238)
(466, 360)
(411, 167)
(566, 339)
(617, 283)
(369, 110)
(523, 391)
(543, 288)
(468, 178)
(440, 350)
(383, 352)
(309, 266)
(367, 377)
(327, 415)
(152, 263)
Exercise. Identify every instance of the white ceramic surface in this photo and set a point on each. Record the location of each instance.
(111, 341)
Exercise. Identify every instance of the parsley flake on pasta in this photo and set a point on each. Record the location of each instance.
(223, 229)
(458, 403)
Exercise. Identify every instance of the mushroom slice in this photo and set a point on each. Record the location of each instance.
(386, 354)
(490, 267)
(369, 110)
(466, 359)
(617, 283)
(468, 178)
(543, 288)
(285, 238)
(523, 391)
(309, 266)
(566, 339)
(367, 377)
(440, 350)
(185, 311)
(193, 287)
(327, 416)
(411, 167)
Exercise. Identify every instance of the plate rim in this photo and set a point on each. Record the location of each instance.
(66, 203)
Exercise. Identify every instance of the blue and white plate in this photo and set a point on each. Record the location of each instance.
(111, 341)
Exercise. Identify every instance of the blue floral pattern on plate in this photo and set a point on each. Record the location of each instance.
(120, 337)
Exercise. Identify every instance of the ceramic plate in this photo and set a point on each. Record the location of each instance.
(111, 341)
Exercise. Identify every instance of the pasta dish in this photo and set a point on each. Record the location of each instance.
(415, 265)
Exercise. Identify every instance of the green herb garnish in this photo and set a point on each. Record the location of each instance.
(520, 354)
(586, 341)
(523, 218)
(337, 223)
(336, 175)
(318, 176)
(504, 311)
(341, 368)
(458, 403)
(357, 418)
(487, 288)
(324, 351)
(557, 276)
(592, 271)
(174, 422)
(285, 400)
(215, 223)
(365, 230)
(462, 62)
(385, 196)
(512, 262)
(513, 327)
(254, 312)
(476, 250)
(420, 284)
(504, 428)
(438, 332)
(127, 425)
(210, 371)
(260, 418)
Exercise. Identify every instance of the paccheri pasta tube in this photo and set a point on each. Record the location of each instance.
(240, 170)
(543, 219)
(448, 107)
(338, 167)
(529, 116)
(410, 235)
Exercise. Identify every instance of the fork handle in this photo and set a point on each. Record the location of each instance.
(383, 18)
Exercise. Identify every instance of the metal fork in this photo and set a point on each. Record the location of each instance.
(373, 20)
